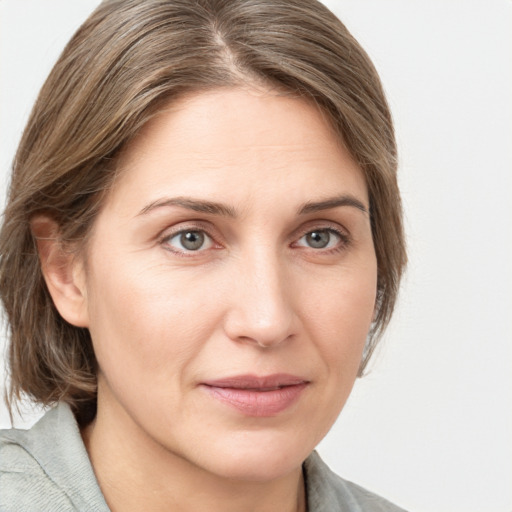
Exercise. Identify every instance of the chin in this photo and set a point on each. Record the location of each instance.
(258, 458)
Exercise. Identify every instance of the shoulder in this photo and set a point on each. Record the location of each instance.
(47, 468)
(24, 484)
(327, 492)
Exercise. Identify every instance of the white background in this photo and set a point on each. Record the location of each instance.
(431, 427)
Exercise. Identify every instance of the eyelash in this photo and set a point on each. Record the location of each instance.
(164, 240)
(344, 239)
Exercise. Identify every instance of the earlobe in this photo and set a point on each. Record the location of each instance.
(63, 272)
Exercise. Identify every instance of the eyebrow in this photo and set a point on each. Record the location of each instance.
(197, 205)
(214, 208)
(333, 202)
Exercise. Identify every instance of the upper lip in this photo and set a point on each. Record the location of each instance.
(266, 382)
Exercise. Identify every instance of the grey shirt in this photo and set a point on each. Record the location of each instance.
(47, 468)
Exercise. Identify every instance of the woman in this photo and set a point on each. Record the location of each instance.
(206, 228)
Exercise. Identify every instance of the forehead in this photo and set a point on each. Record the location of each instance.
(236, 143)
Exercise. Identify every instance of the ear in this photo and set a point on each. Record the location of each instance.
(62, 270)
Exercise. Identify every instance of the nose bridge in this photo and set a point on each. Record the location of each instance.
(261, 311)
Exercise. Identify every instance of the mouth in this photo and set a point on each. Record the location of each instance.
(257, 396)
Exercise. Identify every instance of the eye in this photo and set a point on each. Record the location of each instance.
(189, 240)
(320, 239)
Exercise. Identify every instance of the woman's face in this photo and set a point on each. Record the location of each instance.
(230, 283)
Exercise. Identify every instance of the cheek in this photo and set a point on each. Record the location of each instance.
(342, 305)
(143, 320)
(343, 311)
(338, 313)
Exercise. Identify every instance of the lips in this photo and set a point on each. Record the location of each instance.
(257, 396)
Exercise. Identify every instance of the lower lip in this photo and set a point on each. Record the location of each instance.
(258, 403)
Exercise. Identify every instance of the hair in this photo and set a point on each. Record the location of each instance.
(128, 60)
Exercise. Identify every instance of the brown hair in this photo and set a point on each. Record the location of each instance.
(127, 59)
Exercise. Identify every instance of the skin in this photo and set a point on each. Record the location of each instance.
(255, 299)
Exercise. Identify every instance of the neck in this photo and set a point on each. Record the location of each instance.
(136, 473)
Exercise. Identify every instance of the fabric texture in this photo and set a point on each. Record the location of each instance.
(47, 469)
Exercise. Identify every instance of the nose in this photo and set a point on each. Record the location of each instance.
(260, 308)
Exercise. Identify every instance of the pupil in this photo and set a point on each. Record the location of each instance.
(192, 240)
(318, 239)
